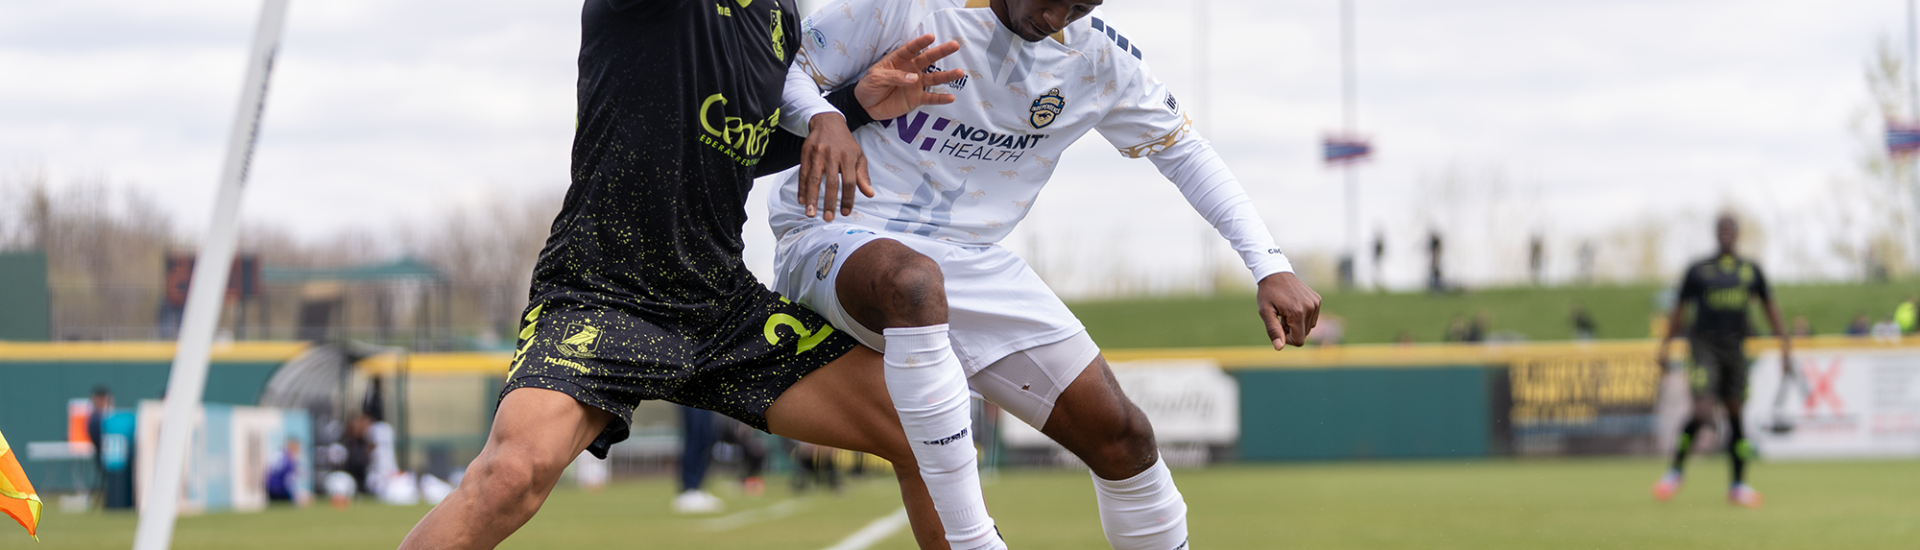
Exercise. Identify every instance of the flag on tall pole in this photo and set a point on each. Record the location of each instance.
(17, 498)
(1903, 138)
(1339, 150)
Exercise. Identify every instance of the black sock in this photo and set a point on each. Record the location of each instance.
(1739, 450)
(1685, 444)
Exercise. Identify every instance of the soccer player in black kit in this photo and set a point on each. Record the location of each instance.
(1720, 289)
(641, 293)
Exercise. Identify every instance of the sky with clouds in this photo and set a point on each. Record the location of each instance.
(1494, 120)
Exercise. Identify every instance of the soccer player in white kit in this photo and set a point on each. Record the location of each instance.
(916, 265)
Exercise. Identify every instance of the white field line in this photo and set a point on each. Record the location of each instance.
(779, 510)
(873, 532)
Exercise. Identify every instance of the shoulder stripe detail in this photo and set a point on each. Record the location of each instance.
(1118, 39)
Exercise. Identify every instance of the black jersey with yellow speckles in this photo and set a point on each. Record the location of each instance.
(677, 102)
(1719, 289)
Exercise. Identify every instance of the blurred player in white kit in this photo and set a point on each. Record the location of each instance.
(914, 270)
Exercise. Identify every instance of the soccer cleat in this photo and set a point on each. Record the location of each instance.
(1668, 486)
(697, 502)
(1742, 495)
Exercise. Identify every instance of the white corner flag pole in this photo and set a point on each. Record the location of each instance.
(188, 377)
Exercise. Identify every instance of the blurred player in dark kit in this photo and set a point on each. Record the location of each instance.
(1719, 290)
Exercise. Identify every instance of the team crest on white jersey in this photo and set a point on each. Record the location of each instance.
(1044, 109)
(825, 265)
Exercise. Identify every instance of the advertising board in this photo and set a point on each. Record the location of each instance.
(232, 450)
(1853, 403)
(1584, 404)
(1189, 403)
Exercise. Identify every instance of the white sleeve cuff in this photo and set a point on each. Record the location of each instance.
(800, 101)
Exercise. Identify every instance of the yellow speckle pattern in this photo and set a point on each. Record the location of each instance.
(641, 292)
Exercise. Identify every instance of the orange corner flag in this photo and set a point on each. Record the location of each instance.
(17, 498)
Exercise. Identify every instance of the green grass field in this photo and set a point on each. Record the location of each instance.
(1538, 504)
(1375, 318)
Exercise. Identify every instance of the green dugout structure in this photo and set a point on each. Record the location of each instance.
(25, 306)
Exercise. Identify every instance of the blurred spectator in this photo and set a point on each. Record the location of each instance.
(814, 465)
(359, 453)
(1330, 331)
(1482, 324)
(1536, 259)
(696, 453)
(1436, 282)
(1905, 314)
(1802, 328)
(102, 401)
(1582, 323)
(384, 476)
(1886, 331)
(1860, 326)
(283, 478)
(1457, 330)
(741, 442)
(591, 473)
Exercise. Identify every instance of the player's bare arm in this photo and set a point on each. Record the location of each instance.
(1289, 308)
(1786, 343)
(892, 87)
(1674, 319)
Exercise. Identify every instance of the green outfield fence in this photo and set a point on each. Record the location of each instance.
(1327, 403)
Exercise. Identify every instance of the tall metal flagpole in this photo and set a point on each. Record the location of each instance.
(1348, 90)
(1913, 103)
(1209, 265)
(188, 377)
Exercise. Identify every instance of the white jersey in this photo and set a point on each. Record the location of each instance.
(967, 172)
(977, 164)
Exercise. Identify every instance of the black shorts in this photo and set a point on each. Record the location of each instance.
(736, 364)
(1719, 366)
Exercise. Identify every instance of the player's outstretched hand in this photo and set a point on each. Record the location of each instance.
(895, 85)
(831, 163)
(1289, 308)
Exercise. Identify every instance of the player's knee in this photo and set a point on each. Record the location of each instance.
(1128, 448)
(916, 278)
(511, 481)
(918, 294)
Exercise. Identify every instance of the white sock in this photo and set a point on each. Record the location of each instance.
(1143, 512)
(929, 390)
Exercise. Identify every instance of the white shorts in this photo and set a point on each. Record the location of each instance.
(1001, 317)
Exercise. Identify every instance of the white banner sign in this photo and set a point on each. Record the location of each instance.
(232, 450)
(1853, 403)
(1187, 401)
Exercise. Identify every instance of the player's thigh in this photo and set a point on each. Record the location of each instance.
(996, 303)
(1030, 383)
(1091, 416)
(843, 405)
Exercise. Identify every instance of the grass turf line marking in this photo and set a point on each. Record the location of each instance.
(880, 529)
(779, 510)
